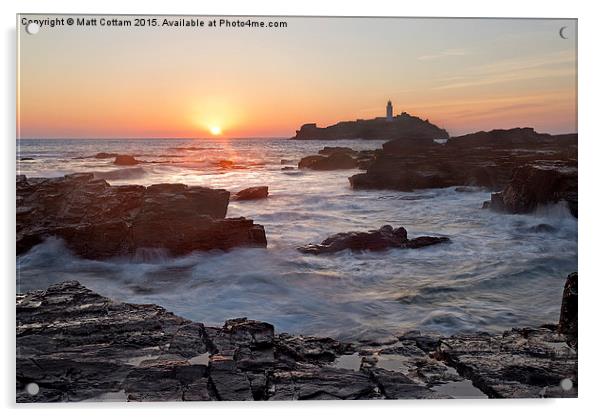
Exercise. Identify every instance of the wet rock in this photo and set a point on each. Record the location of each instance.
(321, 383)
(97, 220)
(77, 345)
(327, 163)
(252, 193)
(125, 160)
(536, 185)
(485, 159)
(521, 363)
(331, 150)
(569, 309)
(374, 240)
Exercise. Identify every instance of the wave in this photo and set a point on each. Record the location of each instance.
(121, 174)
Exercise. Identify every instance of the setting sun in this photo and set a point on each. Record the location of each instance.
(215, 130)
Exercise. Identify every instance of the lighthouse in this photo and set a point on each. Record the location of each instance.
(389, 111)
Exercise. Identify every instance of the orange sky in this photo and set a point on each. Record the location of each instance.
(462, 74)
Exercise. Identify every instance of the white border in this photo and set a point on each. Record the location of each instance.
(589, 224)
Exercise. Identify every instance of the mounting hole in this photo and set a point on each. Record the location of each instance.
(566, 384)
(32, 388)
(32, 28)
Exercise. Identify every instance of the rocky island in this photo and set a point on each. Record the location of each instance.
(76, 345)
(403, 125)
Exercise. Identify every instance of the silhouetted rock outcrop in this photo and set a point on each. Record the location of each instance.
(534, 185)
(379, 128)
(330, 162)
(77, 345)
(374, 240)
(97, 220)
(485, 159)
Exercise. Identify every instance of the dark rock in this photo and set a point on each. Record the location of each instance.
(77, 345)
(331, 150)
(105, 155)
(97, 220)
(521, 363)
(327, 163)
(27, 159)
(485, 159)
(541, 228)
(252, 193)
(374, 240)
(538, 184)
(125, 160)
(568, 311)
(379, 128)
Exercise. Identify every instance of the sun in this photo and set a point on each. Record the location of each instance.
(215, 130)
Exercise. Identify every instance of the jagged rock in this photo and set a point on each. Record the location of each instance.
(538, 184)
(379, 128)
(569, 309)
(97, 220)
(374, 240)
(77, 345)
(485, 159)
(521, 363)
(330, 162)
(125, 160)
(252, 193)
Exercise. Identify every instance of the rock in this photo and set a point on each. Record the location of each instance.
(520, 363)
(379, 128)
(327, 163)
(105, 155)
(97, 220)
(331, 150)
(485, 159)
(568, 311)
(536, 185)
(26, 159)
(77, 345)
(125, 160)
(374, 240)
(252, 193)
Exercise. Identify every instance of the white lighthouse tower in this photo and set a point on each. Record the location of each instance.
(389, 111)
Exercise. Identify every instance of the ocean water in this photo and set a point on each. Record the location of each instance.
(496, 273)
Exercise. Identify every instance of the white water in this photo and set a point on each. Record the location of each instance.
(495, 274)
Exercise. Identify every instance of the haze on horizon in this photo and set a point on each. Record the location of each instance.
(464, 75)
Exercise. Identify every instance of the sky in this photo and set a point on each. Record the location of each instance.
(464, 75)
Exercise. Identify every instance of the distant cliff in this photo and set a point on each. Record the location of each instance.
(402, 126)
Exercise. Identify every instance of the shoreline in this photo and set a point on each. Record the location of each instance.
(77, 345)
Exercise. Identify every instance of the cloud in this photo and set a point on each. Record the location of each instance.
(443, 54)
(551, 65)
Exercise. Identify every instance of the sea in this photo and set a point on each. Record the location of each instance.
(499, 271)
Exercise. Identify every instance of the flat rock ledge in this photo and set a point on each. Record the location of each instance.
(374, 240)
(76, 345)
(97, 220)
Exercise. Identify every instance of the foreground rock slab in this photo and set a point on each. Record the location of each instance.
(97, 220)
(76, 345)
(375, 240)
